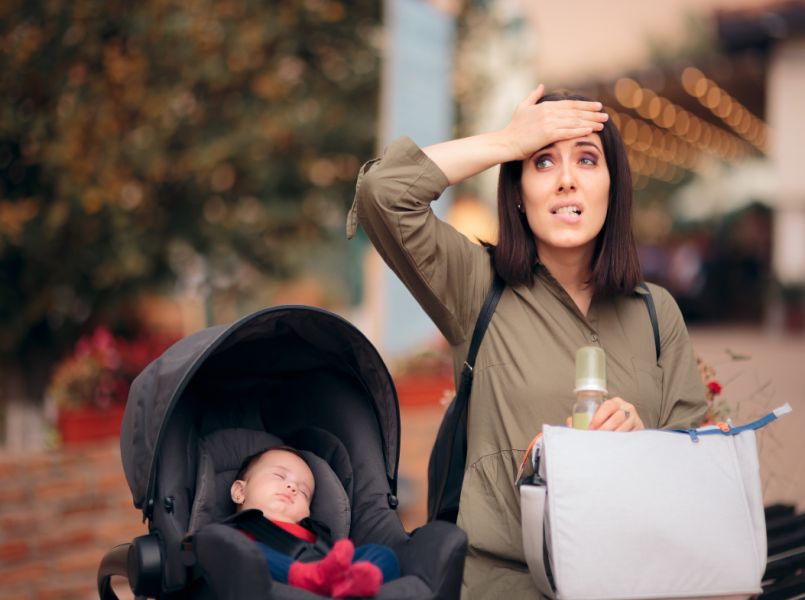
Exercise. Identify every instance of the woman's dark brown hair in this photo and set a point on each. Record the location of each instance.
(615, 267)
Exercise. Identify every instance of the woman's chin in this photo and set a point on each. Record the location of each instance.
(567, 243)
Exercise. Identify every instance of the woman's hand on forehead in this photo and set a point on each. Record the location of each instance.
(534, 126)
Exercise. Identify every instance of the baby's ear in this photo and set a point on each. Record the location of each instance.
(238, 491)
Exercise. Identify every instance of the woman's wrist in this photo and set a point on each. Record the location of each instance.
(505, 147)
(462, 158)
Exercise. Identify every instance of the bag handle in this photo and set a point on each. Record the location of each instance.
(533, 538)
(728, 429)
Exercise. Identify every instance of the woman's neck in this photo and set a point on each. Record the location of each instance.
(571, 269)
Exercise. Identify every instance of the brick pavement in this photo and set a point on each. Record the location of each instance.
(59, 513)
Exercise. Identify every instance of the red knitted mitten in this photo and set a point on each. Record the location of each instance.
(319, 577)
(363, 580)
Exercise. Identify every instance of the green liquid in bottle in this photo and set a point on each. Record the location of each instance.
(581, 420)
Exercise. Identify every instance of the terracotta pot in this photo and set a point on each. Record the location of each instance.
(89, 424)
(423, 390)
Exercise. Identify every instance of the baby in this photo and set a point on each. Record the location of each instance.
(279, 483)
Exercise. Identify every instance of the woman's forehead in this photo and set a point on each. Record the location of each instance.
(592, 139)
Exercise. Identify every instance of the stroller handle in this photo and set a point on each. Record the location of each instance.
(114, 562)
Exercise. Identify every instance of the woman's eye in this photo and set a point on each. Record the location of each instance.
(543, 162)
(588, 160)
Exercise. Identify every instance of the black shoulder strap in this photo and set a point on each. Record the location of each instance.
(263, 530)
(487, 310)
(449, 454)
(652, 314)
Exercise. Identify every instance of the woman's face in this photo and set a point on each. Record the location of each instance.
(566, 194)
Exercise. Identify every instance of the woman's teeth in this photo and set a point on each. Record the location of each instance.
(569, 210)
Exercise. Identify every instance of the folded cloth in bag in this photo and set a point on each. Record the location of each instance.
(645, 514)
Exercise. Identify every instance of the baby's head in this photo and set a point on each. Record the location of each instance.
(277, 481)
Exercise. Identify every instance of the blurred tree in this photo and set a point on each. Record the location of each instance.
(137, 137)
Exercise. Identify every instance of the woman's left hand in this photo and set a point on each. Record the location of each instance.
(615, 414)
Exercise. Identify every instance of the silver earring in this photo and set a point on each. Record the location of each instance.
(520, 207)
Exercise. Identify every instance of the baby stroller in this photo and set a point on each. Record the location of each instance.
(295, 374)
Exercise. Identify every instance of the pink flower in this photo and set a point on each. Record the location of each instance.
(102, 367)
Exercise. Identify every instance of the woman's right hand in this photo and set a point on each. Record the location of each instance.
(534, 126)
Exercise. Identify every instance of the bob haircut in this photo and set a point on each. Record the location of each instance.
(615, 265)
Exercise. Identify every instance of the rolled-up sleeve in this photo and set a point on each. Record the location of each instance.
(443, 270)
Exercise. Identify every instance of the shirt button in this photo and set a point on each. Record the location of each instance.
(594, 337)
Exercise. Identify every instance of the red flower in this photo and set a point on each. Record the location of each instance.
(102, 367)
(714, 387)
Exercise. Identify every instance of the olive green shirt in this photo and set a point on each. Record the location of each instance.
(525, 370)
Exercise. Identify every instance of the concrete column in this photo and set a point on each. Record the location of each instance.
(785, 100)
(417, 101)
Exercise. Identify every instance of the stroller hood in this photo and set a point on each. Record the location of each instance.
(156, 392)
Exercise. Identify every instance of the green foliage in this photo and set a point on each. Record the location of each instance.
(131, 132)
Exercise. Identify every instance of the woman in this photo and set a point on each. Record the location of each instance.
(567, 254)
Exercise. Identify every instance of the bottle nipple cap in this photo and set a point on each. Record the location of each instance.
(591, 369)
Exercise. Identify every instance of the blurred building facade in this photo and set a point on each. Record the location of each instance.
(716, 136)
(707, 96)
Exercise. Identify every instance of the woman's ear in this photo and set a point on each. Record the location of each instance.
(238, 491)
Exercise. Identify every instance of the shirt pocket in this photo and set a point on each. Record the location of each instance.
(648, 378)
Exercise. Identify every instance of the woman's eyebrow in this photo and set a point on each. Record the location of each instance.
(576, 145)
(587, 143)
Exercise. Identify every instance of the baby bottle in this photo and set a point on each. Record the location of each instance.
(591, 384)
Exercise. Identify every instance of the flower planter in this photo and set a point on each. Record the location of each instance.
(89, 424)
(423, 390)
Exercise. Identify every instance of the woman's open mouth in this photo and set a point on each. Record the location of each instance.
(568, 210)
(570, 214)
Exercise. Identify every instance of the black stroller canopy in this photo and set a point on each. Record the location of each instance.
(284, 338)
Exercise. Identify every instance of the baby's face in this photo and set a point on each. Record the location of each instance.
(280, 484)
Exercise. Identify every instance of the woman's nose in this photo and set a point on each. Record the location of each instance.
(566, 181)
